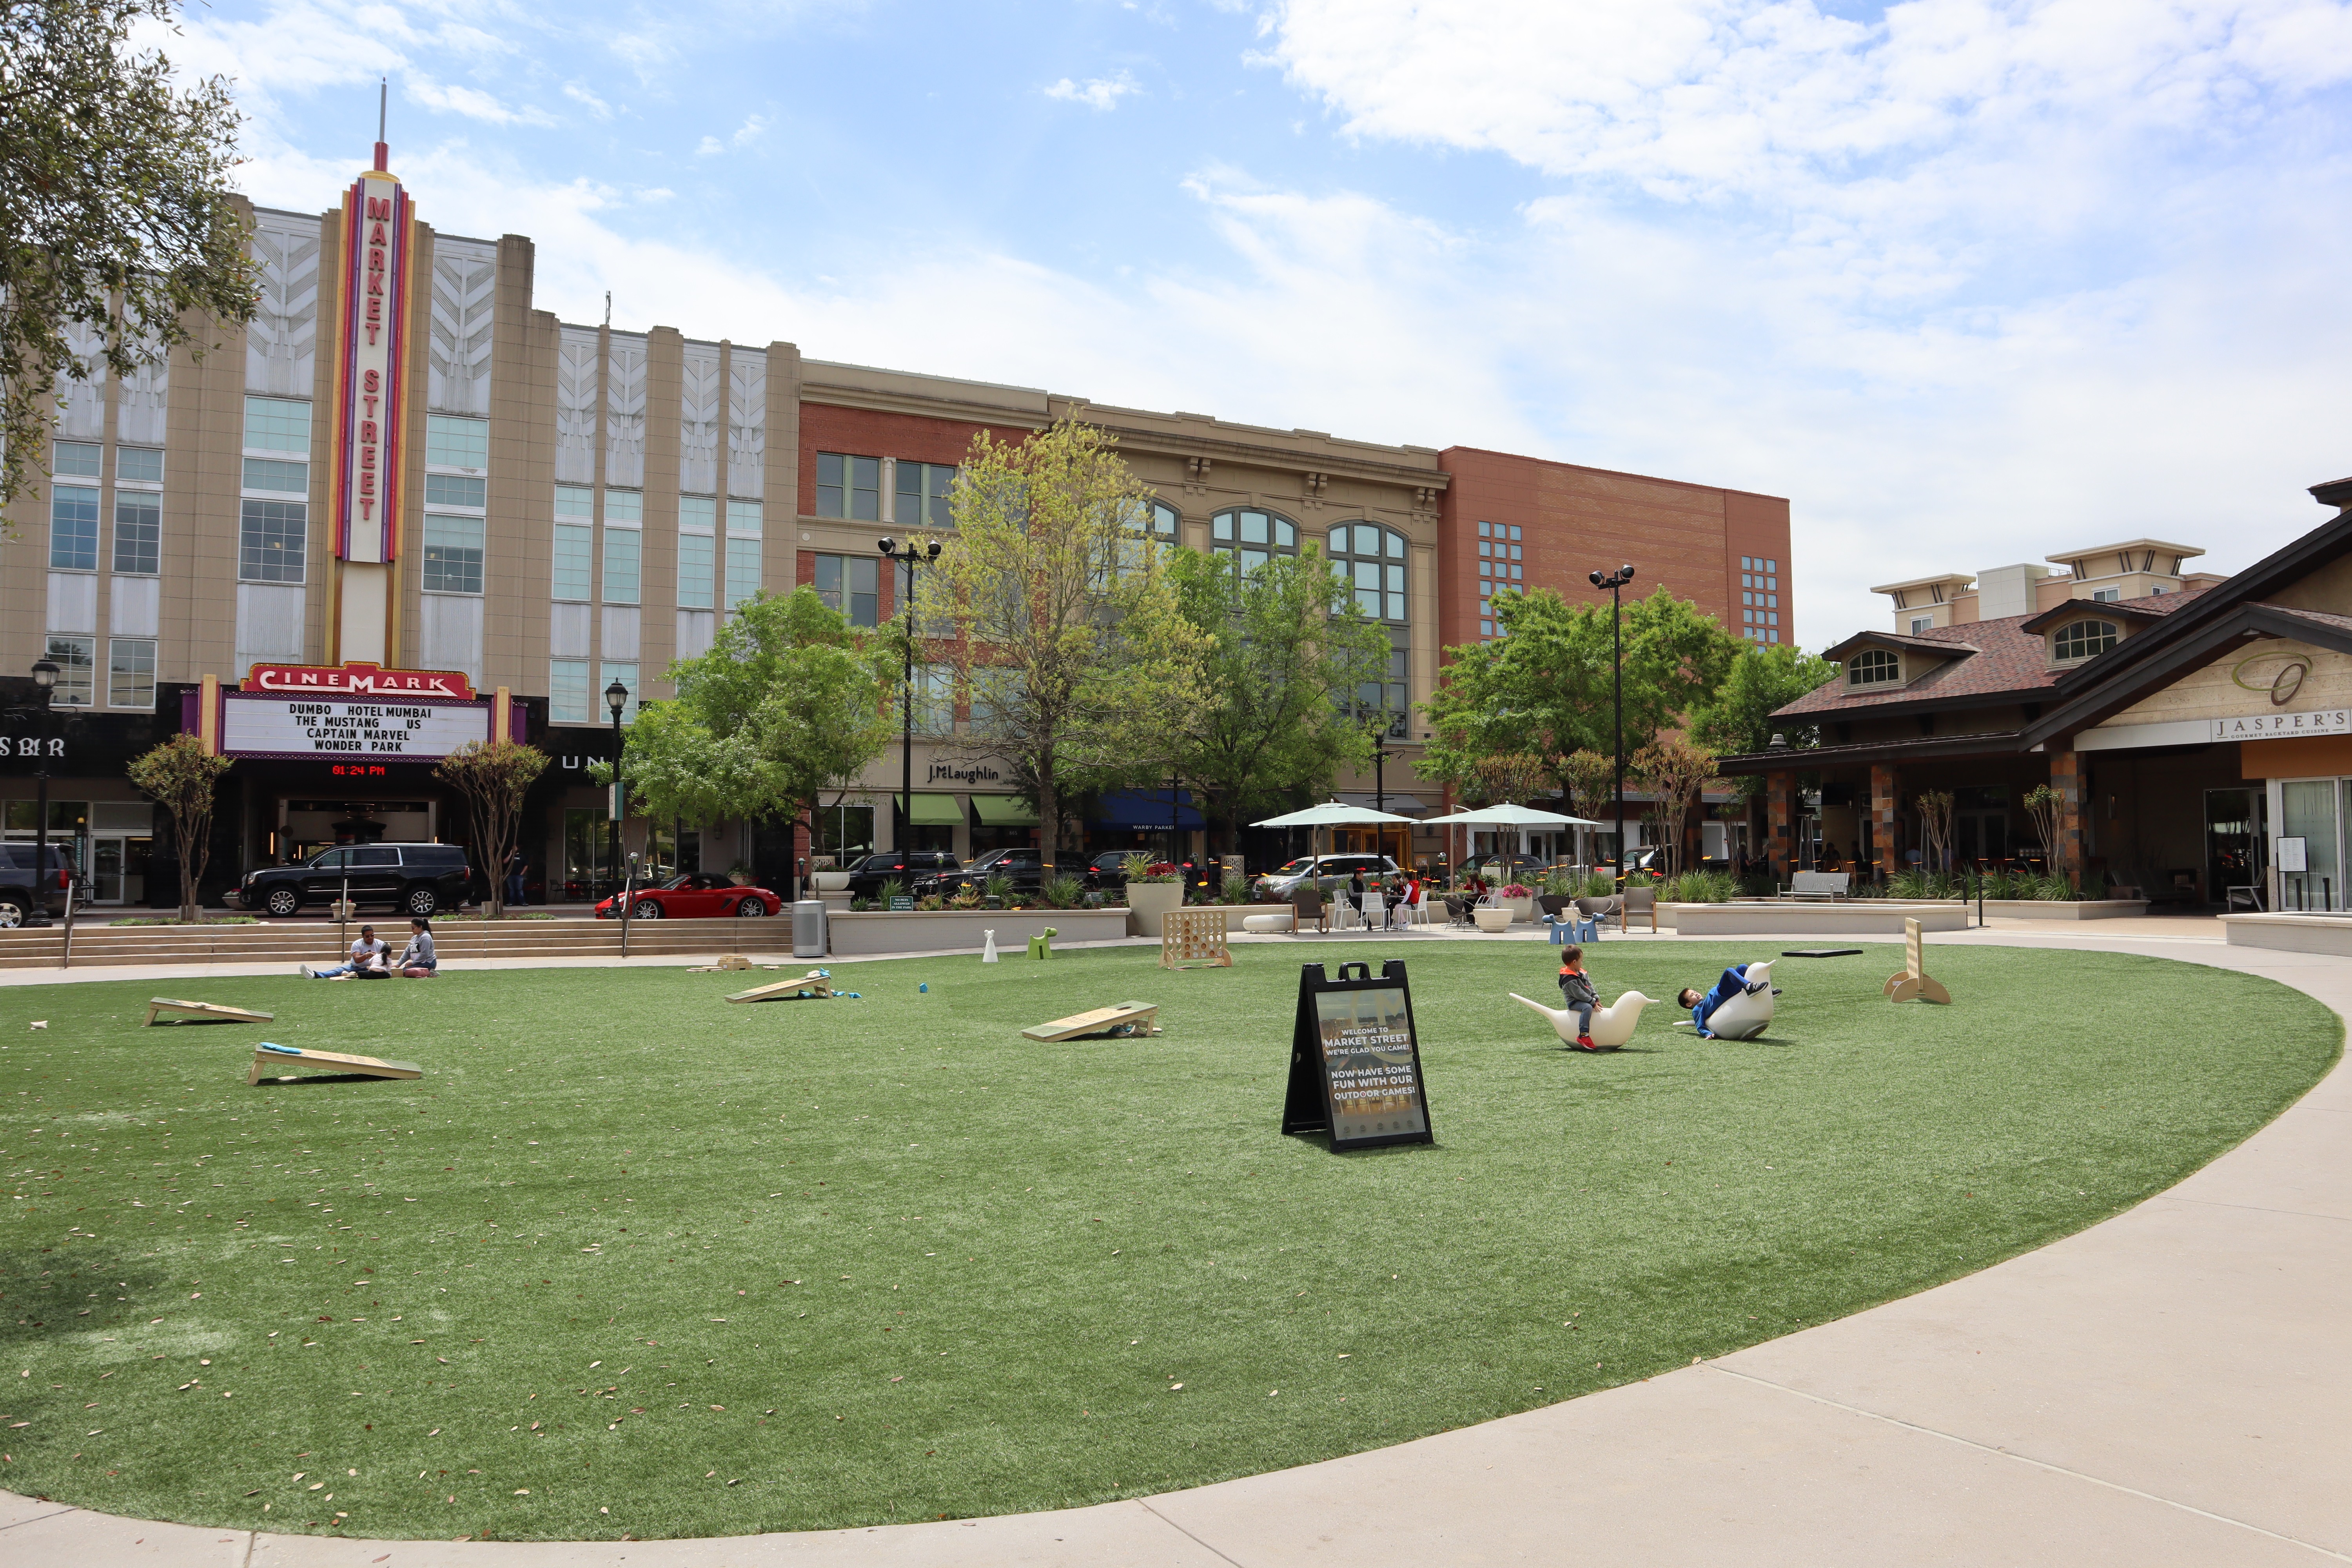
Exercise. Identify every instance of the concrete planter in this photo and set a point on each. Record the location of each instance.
(1150, 902)
(867, 933)
(830, 881)
(2055, 910)
(1523, 911)
(1857, 917)
(2290, 934)
(1492, 921)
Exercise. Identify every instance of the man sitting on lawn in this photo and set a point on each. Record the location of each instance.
(367, 961)
(1733, 983)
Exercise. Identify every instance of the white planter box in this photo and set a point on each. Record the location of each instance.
(867, 933)
(1523, 911)
(2063, 909)
(1856, 917)
(1490, 920)
(830, 881)
(1265, 924)
(1151, 902)
(2290, 934)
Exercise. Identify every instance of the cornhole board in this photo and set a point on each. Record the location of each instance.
(813, 987)
(268, 1058)
(1913, 984)
(1821, 953)
(210, 1012)
(1135, 1018)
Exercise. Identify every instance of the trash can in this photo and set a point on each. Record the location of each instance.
(808, 928)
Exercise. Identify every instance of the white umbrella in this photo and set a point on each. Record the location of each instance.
(1332, 814)
(1506, 815)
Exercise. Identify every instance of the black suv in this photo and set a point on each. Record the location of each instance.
(415, 879)
(1024, 869)
(19, 887)
(865, 878)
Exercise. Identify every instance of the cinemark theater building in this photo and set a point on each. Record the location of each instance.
(404, 510)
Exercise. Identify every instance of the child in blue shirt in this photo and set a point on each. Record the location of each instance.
(1733, 983)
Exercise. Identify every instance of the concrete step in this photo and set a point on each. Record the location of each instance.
(293, 942)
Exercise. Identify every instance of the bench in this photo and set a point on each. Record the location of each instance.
(1820, 885)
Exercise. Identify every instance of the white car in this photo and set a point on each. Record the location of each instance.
(1329, 872)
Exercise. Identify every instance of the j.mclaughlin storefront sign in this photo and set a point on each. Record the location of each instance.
(969, 776)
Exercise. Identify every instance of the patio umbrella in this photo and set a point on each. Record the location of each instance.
(1523, 817)
(1332, 814)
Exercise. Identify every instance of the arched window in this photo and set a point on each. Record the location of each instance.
(1164, 520)
(2083, 639)
(1873, 666)
(1371, 558)
(1252, 536)
(1156, 521)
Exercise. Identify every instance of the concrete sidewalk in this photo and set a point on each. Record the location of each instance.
(2166, 1388)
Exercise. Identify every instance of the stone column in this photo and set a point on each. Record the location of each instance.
(1781, 810)
(2066, 778)
(1884, 785)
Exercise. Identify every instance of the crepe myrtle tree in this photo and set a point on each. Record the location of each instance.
(1055, 612)
(1674, 770)
(493, 776)
(789, 701)
(182, 778)
(119, 224)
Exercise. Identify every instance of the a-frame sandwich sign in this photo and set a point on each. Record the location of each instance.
(1355, 1061)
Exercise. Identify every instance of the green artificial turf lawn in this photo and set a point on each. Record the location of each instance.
(722, 1268)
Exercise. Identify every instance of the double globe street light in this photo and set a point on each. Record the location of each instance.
(1615, 582)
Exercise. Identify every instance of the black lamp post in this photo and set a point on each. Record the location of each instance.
(910, 556)
(616, 696)
(1379, 773)
(1615, 582)
(45, 676)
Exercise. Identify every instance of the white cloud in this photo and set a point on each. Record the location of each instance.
(473, 103)
(1095, 92)
(749, 131)
(580, 94)
(709, 147)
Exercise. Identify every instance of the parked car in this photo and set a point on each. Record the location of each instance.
(695, 895)
(1325, 871)
(1500, 869)
(21, 891)
(1106, 872)
(415, 879)
(1025, 867)
(866, 879)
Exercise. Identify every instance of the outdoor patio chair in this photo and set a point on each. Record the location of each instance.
(1457, 911)
(1308, 902)
(1638, 903)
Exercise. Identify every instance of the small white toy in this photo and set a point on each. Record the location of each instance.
(988, 953)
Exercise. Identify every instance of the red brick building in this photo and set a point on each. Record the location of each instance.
(1525, 523)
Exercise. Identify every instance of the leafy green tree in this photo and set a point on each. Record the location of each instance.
(182, 778)
(1545, 686)
(493, 776)
(1053, 608)
(1738, 721)
(115, 202)
(789, 701)
(1285, 651)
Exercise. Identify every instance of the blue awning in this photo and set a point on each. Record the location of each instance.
(1146, 809)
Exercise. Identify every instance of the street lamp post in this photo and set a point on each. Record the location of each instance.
(1380, 774)
(616, 696)
(1615, 582)
(45, 676)
(909, 556)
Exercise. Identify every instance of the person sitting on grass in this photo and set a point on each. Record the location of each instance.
(416, 959)
(367, 961)
(1578, 995)
(1734, 983)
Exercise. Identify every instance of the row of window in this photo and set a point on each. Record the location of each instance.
(572, 700)
(130, 671)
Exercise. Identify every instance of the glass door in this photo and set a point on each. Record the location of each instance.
(106, 866)
(2307, 824)
(2233, 847)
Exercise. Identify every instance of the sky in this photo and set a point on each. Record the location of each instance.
(1967, 282)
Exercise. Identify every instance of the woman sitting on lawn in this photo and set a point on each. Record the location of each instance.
(416, 959)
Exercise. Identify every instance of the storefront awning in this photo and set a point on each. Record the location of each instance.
(1003, 811)
(935, 811)
(1145, 809)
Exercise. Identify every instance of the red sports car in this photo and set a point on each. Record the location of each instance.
(694, 896)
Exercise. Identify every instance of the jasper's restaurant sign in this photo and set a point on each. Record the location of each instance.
(2284, 726)
(362, 680)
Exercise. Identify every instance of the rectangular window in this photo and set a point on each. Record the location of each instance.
(73, 529)
(934, 700)
(567, 692)
(271, 540)
(1368, 588)
(697, 526)
(1396, 589)
(624, 555)
(851, 583)
(453, 442)
(576, 501)
(575, 558)
(744, 519)
(75, 659)
(626, 508)
(138, 532)
(139, 464)
(923, 494)
(130, 672)
(277, 424)
(455, 489)
(78, 460)
(453, 554)
(848, 487)
(277, 476)
(627, 674)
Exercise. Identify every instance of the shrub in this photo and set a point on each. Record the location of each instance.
(1699, 888)
(1597, 885)
(933, 903)
(1062, 892)
(894, 887)
(1516, 891)
(998, 886)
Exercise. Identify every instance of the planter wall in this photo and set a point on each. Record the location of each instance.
(1858, 917)
(868, 932)
(2290, 934)
(2065, 910)
(1150, 902)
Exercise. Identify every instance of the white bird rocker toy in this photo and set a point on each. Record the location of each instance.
(1612, 1025)
(1744, 1016)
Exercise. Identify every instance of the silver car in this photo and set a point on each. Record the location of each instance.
(1329, 872)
